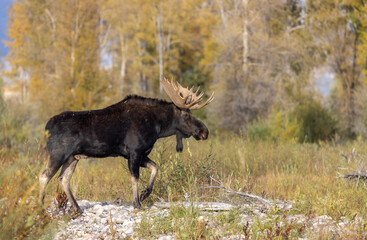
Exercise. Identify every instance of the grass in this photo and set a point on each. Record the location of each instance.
(305, 174)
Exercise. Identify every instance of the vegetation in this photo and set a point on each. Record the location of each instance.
(300, 172)
(272, 132)
(259, 56)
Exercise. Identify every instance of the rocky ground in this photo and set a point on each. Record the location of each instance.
(106, 220)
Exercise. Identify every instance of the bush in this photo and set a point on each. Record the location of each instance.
(17, 126)
(259, 131)
(315, 122)
(307, 122)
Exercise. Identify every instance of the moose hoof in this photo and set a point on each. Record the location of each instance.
(179, 147)
(137, 206)
(144, 194)
(76, 212)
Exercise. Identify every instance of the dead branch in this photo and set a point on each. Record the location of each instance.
(356, 175)
(267, 202)
(350, 157)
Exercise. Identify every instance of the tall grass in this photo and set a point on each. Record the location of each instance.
(20, 215)
(303, 173)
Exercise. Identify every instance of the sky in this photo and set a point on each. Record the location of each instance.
(4, 4)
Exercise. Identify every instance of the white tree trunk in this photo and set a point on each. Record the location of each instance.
(245, 37)
(160, 47)
(123, 61)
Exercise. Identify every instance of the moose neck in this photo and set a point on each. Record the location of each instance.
(168, 118)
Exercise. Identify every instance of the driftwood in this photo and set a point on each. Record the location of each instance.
(267, 203)
(257, 202)
(356, 175)
(206, 206)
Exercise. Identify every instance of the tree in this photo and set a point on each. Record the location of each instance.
(54, 44)
(260, 60)
(336, 30)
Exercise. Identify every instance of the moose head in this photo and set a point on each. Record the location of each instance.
(186, 100)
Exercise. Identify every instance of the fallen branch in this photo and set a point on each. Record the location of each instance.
(205, 206)
(267, 202)
(357, 175)
(230, 191)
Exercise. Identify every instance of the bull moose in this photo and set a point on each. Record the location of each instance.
(128, 128)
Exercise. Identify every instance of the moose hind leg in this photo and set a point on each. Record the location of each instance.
(65, 177)
(148, 163)
(45, 178)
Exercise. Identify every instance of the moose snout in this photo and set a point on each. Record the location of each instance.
(204, 134)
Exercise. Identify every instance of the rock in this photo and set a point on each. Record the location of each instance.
(129, 231)
(120, 220)
(212, 224)
(99, 213)
(94, 222)
(165, 237)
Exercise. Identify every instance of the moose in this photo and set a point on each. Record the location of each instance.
(128, 128)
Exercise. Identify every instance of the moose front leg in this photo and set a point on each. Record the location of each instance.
(148, 163)
(134, 165)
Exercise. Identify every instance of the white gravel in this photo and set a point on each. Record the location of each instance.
(106, 220)
(102, 221)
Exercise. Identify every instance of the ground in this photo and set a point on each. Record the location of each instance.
(108, 220)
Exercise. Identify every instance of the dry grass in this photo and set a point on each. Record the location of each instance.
(303, 173)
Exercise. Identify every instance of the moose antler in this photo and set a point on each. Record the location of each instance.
(183, 97)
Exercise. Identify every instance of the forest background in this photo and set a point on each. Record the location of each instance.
(262, 59)
(272, 131)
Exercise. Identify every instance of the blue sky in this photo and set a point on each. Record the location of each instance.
(4, 4)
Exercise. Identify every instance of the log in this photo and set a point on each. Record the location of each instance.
(268, 203)
(357, 175)
(204, 206)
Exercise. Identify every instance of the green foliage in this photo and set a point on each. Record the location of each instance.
(307, 122)
(315, 122)
(259, 130)
(17, 127)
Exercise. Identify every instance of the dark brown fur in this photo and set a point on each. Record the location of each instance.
(128, 128)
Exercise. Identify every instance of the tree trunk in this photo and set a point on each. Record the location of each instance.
(245, 38)
(160, 48)
(123, 61)
(351, 89)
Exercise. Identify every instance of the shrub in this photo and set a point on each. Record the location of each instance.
(315, 122)
(259, 131)
(307, 122)
(17, 126)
